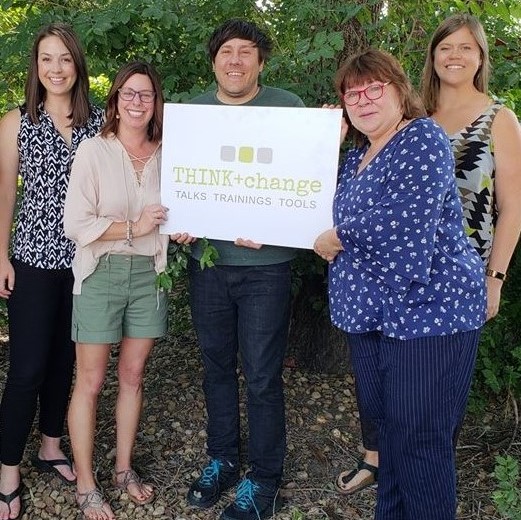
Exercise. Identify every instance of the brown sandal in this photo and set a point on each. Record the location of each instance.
(131, 477)
(346, 476)
(94, 500)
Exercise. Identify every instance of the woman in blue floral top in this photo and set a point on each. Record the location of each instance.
(404, 284)
(485, 138)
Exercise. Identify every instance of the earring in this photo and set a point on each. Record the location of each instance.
(117, 116)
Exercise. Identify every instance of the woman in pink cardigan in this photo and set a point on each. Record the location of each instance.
(113, 213)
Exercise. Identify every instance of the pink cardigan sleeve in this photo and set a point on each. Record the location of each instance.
(82, 223)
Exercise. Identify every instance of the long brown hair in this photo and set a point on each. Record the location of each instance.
(430, 84)
(376, 65)
(155, 126)
(34, 90)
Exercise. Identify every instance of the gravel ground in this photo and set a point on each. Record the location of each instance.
(323, 439)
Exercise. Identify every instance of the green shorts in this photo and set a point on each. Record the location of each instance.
(119, 299)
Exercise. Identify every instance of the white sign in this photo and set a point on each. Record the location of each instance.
(267, 174)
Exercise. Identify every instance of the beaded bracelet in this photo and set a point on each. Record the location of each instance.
(496, 274)
(130, 236)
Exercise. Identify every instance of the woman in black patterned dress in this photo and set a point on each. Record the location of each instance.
(38, 142)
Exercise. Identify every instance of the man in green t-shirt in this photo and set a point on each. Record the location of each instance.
(242, 306)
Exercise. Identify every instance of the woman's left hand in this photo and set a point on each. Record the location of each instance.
(327, 245)
(344, 125)
(493, 296)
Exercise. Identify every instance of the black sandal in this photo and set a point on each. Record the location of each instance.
(49, 466)
(7, 499)
(345, 477)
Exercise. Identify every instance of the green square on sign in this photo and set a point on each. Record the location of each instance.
(245, 154)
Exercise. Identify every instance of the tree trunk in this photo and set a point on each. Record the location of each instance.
(314, 343)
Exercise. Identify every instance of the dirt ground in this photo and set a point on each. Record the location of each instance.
(323, 439)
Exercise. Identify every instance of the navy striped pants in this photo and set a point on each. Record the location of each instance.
(416, 392)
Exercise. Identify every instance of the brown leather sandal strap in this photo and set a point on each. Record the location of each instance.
(130, 477)
(92, 499)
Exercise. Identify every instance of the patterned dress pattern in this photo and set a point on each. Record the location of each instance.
(407, 269)
(45, 166)
(475, 169)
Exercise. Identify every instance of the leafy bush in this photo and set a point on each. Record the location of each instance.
(498, 366)
(507, 496)
(174, 280)
(3, 316)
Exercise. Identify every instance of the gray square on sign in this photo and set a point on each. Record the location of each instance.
(265, 155)
(228, 153)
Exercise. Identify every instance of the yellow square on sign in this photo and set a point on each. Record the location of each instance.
(245, 154)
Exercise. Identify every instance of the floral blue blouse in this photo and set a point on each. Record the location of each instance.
(407, 269)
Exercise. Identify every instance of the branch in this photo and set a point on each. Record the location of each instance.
(516, 416)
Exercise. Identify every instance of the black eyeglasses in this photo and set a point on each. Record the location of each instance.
(128, 94)
(372, 92)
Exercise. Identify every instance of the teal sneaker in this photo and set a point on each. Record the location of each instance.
(215, 479)
(254, 501)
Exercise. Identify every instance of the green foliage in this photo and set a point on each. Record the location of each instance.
(406, 29)
(180, 318)
(99, 88)
(174, 280)
(499, 363)
(3, 315)
(498, 366)
(171, 35)
(177, 262)
(209, 256)
(507, 496)
(296, 514)
(310, 37)
(308, 269)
